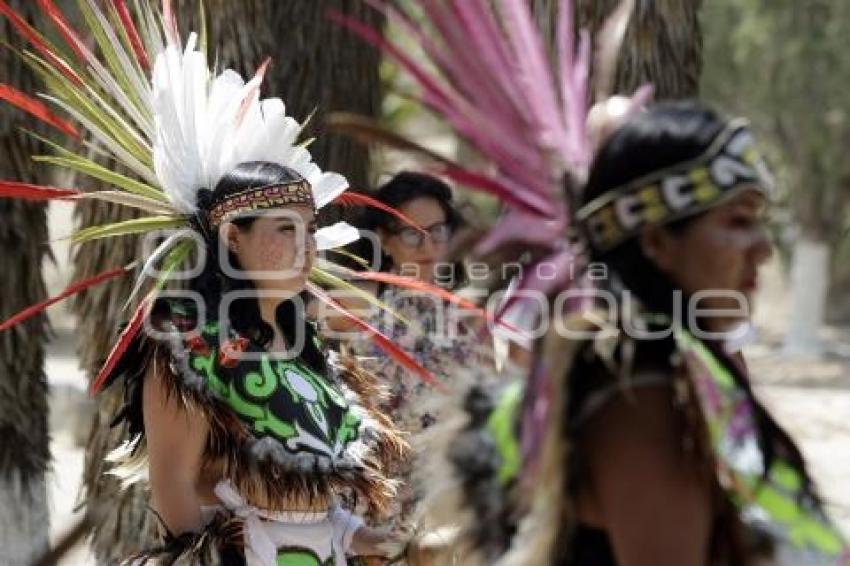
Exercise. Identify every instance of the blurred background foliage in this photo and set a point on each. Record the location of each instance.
(784, 64)
(781, 63)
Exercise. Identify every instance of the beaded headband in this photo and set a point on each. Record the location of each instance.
(297, 193)
(731, 165)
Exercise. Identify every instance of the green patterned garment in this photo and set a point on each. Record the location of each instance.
(773, 503)
(298, 417)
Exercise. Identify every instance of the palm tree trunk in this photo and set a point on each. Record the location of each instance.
(316, 67)
(24, 450)
(123, 524)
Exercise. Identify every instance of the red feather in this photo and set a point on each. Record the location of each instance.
(397, 354)
(351, 198)
(249, 96)
(172, 32)
(434, 93)
(26, 191)
(38, 42)
(129, 332)
(521, 199)
(77, 287)
(132, 33)
(36, 108)
(67, 32)
(417, 285)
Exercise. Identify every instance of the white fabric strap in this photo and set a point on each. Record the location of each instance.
(258, 524)
(260, 549)
(345, 524)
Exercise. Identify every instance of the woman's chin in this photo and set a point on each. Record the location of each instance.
(298, 284)
(426, 271)
(288, 288)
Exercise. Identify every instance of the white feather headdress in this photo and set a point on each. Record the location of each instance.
(152, 104)
(207, 125)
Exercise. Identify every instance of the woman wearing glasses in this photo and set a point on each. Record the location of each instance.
(405, 250)
(439, 340)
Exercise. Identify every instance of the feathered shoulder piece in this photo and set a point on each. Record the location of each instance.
(508, 514)
(314, 429)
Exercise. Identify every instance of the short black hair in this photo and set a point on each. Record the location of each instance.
(405, 187)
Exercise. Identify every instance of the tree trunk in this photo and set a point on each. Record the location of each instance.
(809, 288)
(663, 45)
(24, 450)
(124, 523)
(809, 284)
(316, 66)
(818, 207)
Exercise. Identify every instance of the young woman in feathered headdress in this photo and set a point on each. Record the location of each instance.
(257, 442)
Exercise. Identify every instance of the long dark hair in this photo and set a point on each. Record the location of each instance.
(402, 189)
(666, 135)
(212, 283)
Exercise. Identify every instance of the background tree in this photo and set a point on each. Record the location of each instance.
(24, 451)
(316, 66)
(784, 64)
(663, 45)
(122, 522)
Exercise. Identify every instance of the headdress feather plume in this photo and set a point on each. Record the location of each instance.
(152, 103)
(489, 76)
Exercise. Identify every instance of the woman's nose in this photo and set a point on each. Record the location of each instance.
(762, 248)
(310, 246)
(428, 247)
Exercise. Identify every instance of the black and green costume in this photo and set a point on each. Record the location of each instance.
(281, 433)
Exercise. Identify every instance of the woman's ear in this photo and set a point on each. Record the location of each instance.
(658, 245)
(385, 236)
(229, 234)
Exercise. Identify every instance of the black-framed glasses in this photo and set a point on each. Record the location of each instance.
(438, 233)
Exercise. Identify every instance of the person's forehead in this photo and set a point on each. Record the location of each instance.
(746, 202)
(752, 198)
(423, 206)
(288, 215)
(292, 212)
